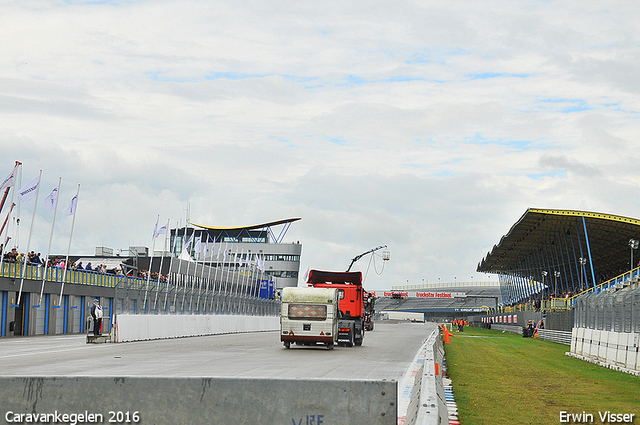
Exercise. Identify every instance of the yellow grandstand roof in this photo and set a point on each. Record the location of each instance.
(558, 237)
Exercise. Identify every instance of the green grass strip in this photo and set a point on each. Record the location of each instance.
(502, 378)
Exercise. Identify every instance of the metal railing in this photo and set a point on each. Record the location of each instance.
(229, 292)
(570, 302)
(56, 274)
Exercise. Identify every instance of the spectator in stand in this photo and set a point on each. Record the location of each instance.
(79, 266)
(88, 268)
(20, 257)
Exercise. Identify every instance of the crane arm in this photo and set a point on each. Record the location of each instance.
(357, 257)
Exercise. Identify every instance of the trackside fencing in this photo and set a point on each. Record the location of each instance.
(140, 327)
(607, 329)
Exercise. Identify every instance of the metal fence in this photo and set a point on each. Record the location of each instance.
(190, 288)
(195, 288)
(615, 311)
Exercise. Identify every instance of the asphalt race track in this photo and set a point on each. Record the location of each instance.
(386, 353)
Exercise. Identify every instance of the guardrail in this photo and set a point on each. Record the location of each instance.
(561, 337)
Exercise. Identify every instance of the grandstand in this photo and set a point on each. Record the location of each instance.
(449, 300)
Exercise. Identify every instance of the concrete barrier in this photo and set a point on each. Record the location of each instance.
(615, 350)
(139, 327)
(197, 401)
(421, 393)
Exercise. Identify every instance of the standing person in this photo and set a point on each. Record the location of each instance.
(96, 314)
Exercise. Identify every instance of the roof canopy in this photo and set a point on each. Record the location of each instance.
(553, 241)
(254, 232)
(251, 227)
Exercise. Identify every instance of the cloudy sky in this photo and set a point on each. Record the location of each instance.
(426, 126)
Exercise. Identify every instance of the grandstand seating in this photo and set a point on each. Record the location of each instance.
(443, 304)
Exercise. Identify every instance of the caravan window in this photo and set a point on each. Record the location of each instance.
(307, 312)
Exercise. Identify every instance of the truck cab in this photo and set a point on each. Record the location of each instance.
(351, 304)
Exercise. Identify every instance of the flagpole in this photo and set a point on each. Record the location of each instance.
(8, 184)
(24, 264)
(245, 277)
(212, 284)
(188, 245)
(169, 279)
(215, 278)
(224, 260)
(164, 247)
(66, 261)
(237, 274)
(153, 247)
(53, 222)
(4, 243)
(204, 255)
(197, 249)
(4, 198)
(175, 297)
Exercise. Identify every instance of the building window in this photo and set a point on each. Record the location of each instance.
(283, 273)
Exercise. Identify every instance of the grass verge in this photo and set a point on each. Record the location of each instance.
(502, 378)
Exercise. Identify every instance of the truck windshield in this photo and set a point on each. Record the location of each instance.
(307, 312)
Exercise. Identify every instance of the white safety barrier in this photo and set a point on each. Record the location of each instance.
(615, 350)
(421, 398)
(140, 327)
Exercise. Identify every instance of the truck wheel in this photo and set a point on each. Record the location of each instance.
(359, 342)
(330, 346)
(287, 345)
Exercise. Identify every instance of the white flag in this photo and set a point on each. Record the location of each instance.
(10, 180)
(52, 199)
(198, 246)
(29, 190)
(155, 230)
(162, 230)
(73, 206)
(188, 244)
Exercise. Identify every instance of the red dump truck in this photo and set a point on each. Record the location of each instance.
(351, 304)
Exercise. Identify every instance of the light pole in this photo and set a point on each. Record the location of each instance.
(583, 261)
(544, 274)
(633, 244)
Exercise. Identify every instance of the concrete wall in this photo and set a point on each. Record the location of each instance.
(615, 350)
(421, 392)
(199, 401)
(133, 327)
